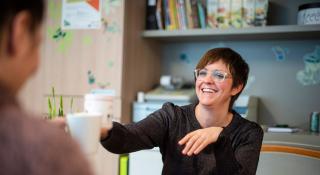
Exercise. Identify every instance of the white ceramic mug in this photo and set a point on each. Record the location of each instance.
(85, 129)
(100, 103)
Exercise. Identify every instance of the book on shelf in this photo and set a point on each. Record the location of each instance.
(223, 17)
(236, 13)
(167, 20)
(159, 14)
(173, 15)
(202, 14)
(189, 14)
(151, 22)
(193, 14)
(181, 13)
(261, 9)
(170, 14)
(248, 13)
(212, 10)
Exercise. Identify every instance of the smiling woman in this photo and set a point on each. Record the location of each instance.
(206, 137)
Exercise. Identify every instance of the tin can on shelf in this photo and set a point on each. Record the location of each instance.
(309, 13)
(314, 122)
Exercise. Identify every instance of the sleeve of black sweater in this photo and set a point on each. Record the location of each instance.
(145, 134)
(244, 159)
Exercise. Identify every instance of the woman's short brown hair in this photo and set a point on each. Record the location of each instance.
(238, 68)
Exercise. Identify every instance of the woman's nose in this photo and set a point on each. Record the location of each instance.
(208, 78)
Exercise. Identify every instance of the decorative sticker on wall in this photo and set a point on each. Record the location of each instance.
(110, 63)
(92, 81)
(66, 42)
(104, 24)
(184, 58)
(311, 73)
(63, 38)
(279, 53)
(87, 40)
(91, 78)
(111, 5)
(112, 27)
(59, 34)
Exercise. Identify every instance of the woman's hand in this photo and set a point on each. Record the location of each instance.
(197, 140)
(104, 133)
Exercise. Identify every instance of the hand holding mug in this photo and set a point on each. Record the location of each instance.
(85, 128)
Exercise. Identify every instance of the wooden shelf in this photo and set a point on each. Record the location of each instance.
(287, 32)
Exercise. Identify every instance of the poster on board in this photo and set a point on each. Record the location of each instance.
(81, 14)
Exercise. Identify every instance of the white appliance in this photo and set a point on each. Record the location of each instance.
(145, 162)
(247, 107)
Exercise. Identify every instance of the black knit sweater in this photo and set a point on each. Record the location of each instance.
(236, 151)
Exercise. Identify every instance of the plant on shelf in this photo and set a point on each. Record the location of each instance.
(52, 109)
(52, 106)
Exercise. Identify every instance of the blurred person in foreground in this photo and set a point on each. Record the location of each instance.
(28, 145)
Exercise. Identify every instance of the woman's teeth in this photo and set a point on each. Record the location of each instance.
(208, 90)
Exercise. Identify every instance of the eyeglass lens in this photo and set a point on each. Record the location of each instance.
(217, 75)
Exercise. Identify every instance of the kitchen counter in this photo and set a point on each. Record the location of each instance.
(299, 139)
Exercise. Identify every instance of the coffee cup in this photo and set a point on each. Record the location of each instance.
(85, 129)
(100, 103)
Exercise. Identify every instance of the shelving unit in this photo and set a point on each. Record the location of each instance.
(254, 33)
(146, 52)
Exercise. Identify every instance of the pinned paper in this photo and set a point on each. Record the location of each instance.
(184, 58)
(279, 53)
(311, 73)
(81, 14)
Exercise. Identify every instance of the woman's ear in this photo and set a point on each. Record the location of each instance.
(236, 90)
(20, 37)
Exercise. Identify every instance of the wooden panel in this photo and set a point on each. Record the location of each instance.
(141, 66)
(68, 59)
(291, 150)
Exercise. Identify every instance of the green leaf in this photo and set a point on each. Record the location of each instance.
(54, 103)
(49, 108)
(71, 104)
(61, 107)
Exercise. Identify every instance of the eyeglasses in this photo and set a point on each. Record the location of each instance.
(216, 75)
